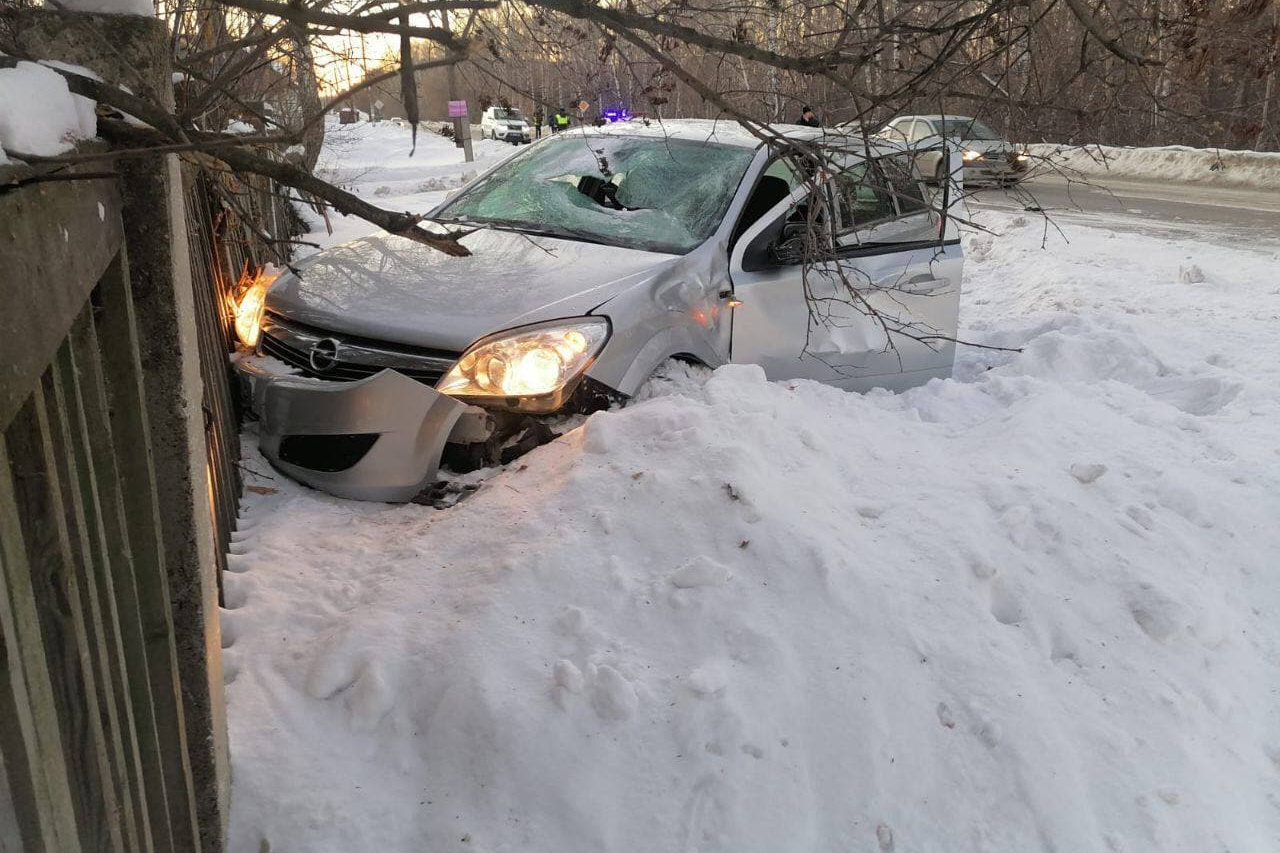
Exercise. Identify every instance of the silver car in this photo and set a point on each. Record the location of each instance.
(987, 157)
(596, 256)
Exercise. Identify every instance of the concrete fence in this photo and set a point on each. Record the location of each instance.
(118, 480)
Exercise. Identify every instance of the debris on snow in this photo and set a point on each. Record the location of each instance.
(1087, 473)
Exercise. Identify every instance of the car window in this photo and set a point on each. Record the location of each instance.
(648, 192)
(922, 130)
(968, 128)
(786, 169)
(902, 182)
(862, 198)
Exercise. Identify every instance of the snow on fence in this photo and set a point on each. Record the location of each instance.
(1177, 163)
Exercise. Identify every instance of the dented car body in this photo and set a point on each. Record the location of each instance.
(596, 256)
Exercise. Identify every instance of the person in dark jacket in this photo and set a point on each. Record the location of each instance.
(808, 119)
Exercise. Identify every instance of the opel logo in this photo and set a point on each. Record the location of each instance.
(324, 355)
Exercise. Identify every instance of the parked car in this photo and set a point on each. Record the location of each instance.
(987, 157)
(592, 265)
(505, 124)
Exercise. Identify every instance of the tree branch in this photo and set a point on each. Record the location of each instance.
(1098, 31)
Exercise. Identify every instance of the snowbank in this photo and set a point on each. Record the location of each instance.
(1255, 169)
(38, 113)
(1032, 608)
(111, 7)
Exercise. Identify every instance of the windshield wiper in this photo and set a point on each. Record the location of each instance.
(541, 229)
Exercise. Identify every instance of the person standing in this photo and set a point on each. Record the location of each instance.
(537, 123)
(807, 118)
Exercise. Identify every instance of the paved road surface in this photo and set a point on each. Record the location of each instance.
(1163, 209)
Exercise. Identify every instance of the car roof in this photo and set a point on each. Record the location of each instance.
(723, 131)
(937, 117)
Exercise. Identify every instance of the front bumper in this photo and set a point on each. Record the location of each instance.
(515, 135)
(376, 439)
(1001, 170)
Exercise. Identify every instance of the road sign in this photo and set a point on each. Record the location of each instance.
(582, 106)
(378, 105)
(457, 109)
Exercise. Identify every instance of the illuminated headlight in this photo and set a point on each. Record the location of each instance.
(250, 304)
(1022, 157)
(970, 156)
(532, 369)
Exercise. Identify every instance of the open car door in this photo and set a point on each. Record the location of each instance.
(854, 282)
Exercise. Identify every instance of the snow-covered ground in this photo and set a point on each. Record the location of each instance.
(1175, 163)
(1032, 608)
(373, 161)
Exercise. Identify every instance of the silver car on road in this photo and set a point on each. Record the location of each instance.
(596, 256)
(986, 156)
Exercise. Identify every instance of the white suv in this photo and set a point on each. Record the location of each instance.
(506, 124)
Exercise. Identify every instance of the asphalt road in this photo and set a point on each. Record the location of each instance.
(1160, 208)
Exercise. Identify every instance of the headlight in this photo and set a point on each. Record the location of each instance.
(1022, 157)
(250, 304)
(532, 369)
(970, 156)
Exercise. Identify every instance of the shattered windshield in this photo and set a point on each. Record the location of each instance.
(967, 128)
(660, 194)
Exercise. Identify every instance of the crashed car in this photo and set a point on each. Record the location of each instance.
(596, 256)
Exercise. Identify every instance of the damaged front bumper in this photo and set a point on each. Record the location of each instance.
(376, 439)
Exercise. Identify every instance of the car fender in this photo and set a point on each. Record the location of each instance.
(681, 310)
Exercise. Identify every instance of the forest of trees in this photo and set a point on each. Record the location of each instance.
(1142, 72)
(1128, 72)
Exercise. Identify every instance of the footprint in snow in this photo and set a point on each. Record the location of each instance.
(1005, 606)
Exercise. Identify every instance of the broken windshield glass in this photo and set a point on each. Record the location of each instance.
(653, 193)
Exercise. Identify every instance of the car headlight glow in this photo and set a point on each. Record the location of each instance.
(250, 304)
(1023, 157)
(538, 365)
(969, 156)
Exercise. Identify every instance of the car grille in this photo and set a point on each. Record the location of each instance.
(346, 358)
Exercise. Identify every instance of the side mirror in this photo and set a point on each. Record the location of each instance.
(789, 248)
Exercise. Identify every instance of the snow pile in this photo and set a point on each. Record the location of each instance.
(110, 7)
(38, 113)
(1032, 608)
(372, 160)
(1258, 169)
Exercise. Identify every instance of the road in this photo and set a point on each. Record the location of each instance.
(1162, 209)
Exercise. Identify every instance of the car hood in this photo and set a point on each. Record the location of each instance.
(396, 290)
(986, 146)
